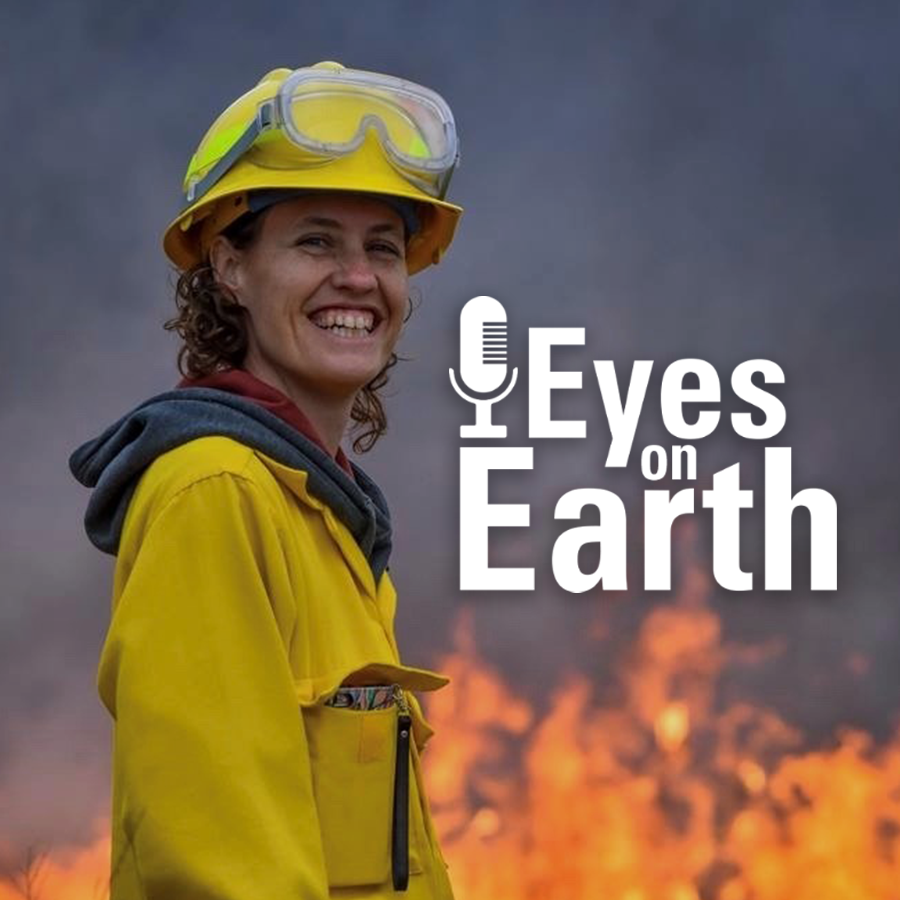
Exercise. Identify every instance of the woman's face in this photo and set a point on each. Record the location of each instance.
(325, 287)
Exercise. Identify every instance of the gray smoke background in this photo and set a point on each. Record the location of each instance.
(705, 180)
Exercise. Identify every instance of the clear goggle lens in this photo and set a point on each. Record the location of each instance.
(329, 113)
(335, 114)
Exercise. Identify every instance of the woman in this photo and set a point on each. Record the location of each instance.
(267, 737)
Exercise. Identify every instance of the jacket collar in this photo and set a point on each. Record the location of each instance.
(113, 462)
(245, 384)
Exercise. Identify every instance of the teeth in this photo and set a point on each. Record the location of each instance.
(343, 331)
(348, 332)
(350, 322)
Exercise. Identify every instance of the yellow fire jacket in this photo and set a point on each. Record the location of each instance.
(240, 602)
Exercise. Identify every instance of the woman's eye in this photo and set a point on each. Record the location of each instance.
(314, 241)
(385, 247)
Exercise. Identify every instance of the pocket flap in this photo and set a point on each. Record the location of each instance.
(408, 677)
(311, 690)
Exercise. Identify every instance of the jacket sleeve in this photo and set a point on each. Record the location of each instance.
(212, 788)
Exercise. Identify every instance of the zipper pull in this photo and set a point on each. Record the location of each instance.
(400, 828)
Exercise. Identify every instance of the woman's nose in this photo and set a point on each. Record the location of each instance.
(354, 273)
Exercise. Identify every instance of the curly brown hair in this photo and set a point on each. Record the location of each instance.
(211, 323)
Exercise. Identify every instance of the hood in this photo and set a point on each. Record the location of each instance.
(113, 462)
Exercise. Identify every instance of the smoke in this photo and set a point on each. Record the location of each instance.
(716, 181)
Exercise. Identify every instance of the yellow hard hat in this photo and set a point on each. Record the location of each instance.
(323, 128)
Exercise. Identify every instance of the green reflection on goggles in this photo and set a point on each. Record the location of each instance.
(224, 149)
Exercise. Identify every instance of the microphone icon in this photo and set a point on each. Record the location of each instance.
(482, 362)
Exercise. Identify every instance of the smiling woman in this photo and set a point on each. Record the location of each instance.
(267, 734)
(325, 287)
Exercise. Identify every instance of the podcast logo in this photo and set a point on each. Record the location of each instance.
(484, 369)
(482, 363)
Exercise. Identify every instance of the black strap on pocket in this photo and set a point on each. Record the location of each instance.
(400, 829)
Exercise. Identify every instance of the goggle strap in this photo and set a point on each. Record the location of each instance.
(264, 120)
(444, 182)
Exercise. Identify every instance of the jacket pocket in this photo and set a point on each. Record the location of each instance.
(353, 754)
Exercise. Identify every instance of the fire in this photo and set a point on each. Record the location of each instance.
(648, 790)
(69, 874)
(660, 795)
(672, 726)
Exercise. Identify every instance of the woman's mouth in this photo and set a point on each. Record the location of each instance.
(345, 322)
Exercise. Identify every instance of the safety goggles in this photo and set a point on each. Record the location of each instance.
(325, 114)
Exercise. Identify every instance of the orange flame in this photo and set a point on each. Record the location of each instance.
(660, 795)
(68, 874)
